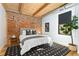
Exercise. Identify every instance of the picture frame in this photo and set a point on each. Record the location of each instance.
(47, 27)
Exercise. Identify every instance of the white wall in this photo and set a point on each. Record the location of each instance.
(52, 18)
(3, 27)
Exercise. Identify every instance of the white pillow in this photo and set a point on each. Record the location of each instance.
(24, 32)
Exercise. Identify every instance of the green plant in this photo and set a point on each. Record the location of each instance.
(68, 27)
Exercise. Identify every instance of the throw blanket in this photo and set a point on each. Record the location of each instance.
(32, 41)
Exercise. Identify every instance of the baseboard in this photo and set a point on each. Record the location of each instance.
(59, 43)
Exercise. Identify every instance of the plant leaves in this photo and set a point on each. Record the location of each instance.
(68, 27)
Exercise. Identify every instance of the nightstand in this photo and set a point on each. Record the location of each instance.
(13, 40)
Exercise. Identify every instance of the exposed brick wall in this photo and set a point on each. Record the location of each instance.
(17, 21)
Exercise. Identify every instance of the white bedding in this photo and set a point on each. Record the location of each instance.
(31, 41)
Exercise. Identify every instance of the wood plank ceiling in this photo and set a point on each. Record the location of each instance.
(32, 9)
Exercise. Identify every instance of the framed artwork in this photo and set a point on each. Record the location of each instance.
(63, 19)
(46, 27)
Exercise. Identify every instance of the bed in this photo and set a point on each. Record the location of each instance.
(29, 41)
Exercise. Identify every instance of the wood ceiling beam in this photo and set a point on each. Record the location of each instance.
(55, 9)
(49, 10)
(41, 8)
(19, 8)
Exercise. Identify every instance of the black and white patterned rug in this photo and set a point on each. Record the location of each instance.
(42, 50)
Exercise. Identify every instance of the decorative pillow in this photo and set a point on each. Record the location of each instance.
(24, 32)
(28, 32)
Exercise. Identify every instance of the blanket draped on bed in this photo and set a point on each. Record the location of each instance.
(31, 41)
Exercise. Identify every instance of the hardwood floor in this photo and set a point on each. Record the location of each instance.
(72, 53)
(3, 51)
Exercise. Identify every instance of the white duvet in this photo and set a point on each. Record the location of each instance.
(31, 41)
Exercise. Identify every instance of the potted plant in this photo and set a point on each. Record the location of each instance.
(68, 27)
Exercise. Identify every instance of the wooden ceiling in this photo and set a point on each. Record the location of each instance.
(32, 9)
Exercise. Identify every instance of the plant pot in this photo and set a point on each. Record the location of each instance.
(72, 44)
(73, 47)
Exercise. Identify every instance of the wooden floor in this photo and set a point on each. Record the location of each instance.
(3, 51)
(71, 53)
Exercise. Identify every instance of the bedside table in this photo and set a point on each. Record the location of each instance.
(13, 40)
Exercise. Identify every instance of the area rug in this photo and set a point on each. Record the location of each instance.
(42, 50)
